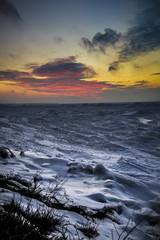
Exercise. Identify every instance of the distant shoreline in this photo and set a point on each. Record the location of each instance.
(87, 103)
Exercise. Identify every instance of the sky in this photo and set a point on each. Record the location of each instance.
(70, 51)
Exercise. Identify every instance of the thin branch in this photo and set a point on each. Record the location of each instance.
(141, 220)
(124, 228)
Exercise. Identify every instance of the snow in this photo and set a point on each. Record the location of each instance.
(95, 176)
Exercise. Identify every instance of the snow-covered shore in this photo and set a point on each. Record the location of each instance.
(101, 162)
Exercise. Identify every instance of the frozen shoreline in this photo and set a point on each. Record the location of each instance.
(108, 153)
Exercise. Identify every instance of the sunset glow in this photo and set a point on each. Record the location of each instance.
(48, 57)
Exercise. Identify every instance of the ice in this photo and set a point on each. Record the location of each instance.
(98, 197)
(105, 156)
(93, 185)
(145, 121)
(111, 184)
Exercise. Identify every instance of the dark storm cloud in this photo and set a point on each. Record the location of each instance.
(144, 36)
(101, 40)
(11, 74)
(155, 74)
(62, 77)
(113, 66)
(86, 43)
(141, 38)
(64, 68)
(31, 66)
(9, 10)
(18, 78)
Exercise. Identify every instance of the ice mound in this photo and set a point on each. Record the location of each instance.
(134, 187)
(80, 168)
(101, 172)
(5, 152)
(155, 204)
(125, 211)
(98, 197)
(114, 185)
(89, 169)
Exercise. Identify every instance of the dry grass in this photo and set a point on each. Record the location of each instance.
(45, 221)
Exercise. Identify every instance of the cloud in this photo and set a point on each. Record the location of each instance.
(141, 84)
(87, 44)
(113, 66)
(141, 38)
(12, 75)
(58, 40)
(31, 66)
(101, 40)
(65, 68)
(9, 10)
(62, 77)
(144, 36)
(155, 74)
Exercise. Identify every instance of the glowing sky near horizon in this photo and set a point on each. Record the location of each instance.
(60, 51)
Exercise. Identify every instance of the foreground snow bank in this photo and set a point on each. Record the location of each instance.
(86, 194)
